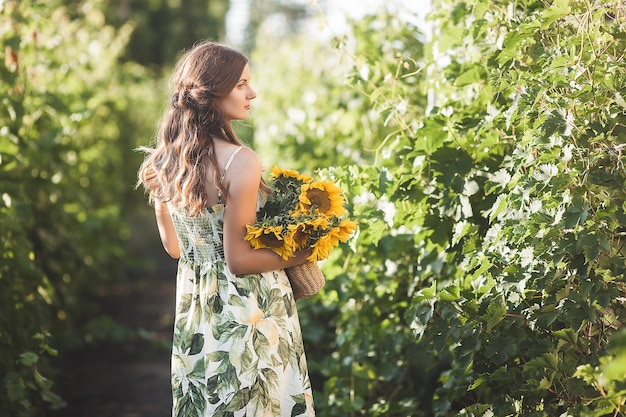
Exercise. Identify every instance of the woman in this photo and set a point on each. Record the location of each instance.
(237, 348)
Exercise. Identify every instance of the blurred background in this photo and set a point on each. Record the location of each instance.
(481, 147)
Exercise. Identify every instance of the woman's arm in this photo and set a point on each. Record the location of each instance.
(242, 182)
(166, 229)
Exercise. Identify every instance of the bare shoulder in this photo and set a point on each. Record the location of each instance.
(225, 151)
(247, 156)
(245, 165)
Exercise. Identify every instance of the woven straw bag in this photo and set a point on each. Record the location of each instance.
(306, 279)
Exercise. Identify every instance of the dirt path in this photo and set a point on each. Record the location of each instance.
(130, 379)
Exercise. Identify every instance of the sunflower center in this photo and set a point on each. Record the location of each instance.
(319, 198)
(301, 236)
(270, 240)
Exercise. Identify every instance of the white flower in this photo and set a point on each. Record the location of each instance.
(620, 100)
(500, 177)
(567, 152)
(526, 256)
(364, 72)
(391, 266)
(470, 188)
(388, 209)
(545, 172)
(535, 206)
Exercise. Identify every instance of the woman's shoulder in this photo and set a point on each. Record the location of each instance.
(226, 151)
(237, 161)
(246, 160)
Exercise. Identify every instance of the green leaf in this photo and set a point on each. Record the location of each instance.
(511, 45)
(553, 123)
(500, 348)
(42, 381)
(568, 335)
(474, 74)
(498, 207)
(15, 387)
(451, 293)
(29, 358)
(431, 136)
(544, 383)
(587, 372)
(496, 311)
(558, 9)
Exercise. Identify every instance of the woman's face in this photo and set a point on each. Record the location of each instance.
(236, 105)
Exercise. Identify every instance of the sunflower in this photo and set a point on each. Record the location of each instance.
(270, 237)
(321, 249)
(324, 196)
(345, 229)
(289, 173)
(331, 238)
(302, 232)
(301, 214)
(300, 235)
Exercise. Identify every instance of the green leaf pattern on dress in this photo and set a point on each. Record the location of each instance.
(237, 348)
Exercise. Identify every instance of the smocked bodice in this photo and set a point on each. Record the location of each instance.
(200, 237)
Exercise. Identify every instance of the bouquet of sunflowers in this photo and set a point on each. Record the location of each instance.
(301, 214)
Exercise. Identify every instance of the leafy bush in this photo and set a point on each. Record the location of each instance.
(534, 281)
(69, 123)
(488, 276)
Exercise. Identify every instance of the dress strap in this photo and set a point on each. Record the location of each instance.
(230, 161)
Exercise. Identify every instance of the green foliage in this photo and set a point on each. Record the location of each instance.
(162, 28)
(318, 110)
(488, 274)
(364, 359)
(530, 95)
(69, 120)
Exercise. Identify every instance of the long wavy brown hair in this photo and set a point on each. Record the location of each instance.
(178, 168)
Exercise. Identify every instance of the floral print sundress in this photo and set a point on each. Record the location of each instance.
(237, 344)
